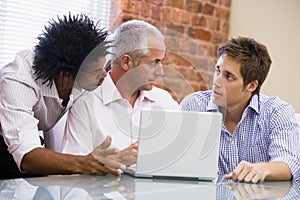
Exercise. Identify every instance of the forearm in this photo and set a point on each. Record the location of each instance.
(45, 161)
(275, 171)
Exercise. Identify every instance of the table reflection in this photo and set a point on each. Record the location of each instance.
(265, 190)
(126, 187)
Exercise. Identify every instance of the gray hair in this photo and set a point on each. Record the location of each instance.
(132, 38)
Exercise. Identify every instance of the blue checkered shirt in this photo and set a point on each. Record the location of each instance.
(267, 131)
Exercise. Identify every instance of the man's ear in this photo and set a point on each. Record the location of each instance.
(251, 87)
(126, 62)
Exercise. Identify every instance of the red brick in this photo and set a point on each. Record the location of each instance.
(193, 6)
(222, 13)
(137, 7)
(146, 9)
(155, 2)
(185, 17)
(166, 13)
(175, 15)
(208, 9)
(178, 28)
(202, 34)
(155, 12)
(225, 3)
(224, 26)
(175, 3)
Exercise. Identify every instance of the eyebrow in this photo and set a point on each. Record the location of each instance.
(226, 71)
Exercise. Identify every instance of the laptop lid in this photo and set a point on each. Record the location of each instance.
(178, 144)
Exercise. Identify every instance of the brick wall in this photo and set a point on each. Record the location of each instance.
(193, 29)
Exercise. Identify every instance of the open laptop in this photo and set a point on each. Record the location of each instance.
(178, 144)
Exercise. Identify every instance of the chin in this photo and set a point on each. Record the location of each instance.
(218, 102)
(91, 87)
(147, 87)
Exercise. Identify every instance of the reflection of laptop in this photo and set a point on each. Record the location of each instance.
(178, 144)
(145, 188)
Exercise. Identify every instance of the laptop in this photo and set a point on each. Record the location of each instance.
(178, 144)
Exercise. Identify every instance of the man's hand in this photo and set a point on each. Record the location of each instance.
(100, 162)
(255, 172)
(248, 172)
(108, 157)
(128, 155)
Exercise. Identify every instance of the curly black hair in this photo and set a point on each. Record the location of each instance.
(65, 44)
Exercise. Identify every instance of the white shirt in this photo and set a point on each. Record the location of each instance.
(26, 106)
(104, 112)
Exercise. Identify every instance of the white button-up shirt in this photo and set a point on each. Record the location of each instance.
(104, 112)
(26, 106)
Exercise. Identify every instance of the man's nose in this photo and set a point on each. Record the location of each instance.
(159, 70)
(218, 80)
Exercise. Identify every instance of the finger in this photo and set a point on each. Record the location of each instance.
(135, 143)
(248, 178)
(106, 143)
(135, 147)
(106, 170)
(129, 160)
(236, 172)
(242, 175)
(257, 178)
(228, 176)
(114, 164)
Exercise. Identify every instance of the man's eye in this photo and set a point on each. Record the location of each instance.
(229, 77)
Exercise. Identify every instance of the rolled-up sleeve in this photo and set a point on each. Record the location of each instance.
(19, 127)
(284, 137)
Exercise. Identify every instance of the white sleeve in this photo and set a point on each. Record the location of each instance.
(19, 127)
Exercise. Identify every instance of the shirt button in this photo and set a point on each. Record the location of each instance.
(232, 141)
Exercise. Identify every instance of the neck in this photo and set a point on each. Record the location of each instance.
(233, 115)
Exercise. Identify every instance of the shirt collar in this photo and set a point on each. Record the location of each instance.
(211, 106)
(52, 93)
(254, 103)
(111, 93)
(146, 95)
(47, 91)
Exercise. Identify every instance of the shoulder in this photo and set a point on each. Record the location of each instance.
(197, 97)
(275, 108)
(87, 99)
(157, 92)
(196, 101)
(273, 103)
(21, 67)
(163, 98)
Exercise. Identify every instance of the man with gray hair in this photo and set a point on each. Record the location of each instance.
(114, 107)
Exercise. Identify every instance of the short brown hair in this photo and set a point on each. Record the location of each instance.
(254, 59)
